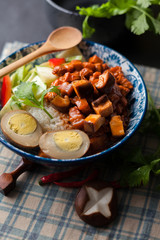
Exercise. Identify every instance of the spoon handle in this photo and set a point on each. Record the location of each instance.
(24, 165)
(44, 49)
(8, 180)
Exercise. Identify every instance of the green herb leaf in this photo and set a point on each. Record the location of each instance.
(136, 168)
(87, 30)
(131, 16)
(155, 165)
(108, 9)
(54, 89)
(139, 176)
(20, 75)
(25, 92)
(30, 103)
(155, 2)
(138, 13)
(144, 3)
(15, 101)
(140, 25)
(96, 10)
(116, 7)
(156, 24)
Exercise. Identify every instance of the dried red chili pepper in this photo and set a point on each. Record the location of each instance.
(76, 184)
(57, 176)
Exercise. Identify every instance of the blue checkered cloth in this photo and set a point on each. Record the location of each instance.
(47, 212)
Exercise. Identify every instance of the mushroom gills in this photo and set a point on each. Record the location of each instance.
(99, 201)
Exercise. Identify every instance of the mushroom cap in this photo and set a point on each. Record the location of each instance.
(28, 139)
(96, 203)
(66, 144)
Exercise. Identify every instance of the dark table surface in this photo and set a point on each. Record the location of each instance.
(23, 20)
(27, 21)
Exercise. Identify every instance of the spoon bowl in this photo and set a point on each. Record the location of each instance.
(60, 39)
(64, 38)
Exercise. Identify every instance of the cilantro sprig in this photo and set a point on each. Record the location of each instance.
(137, 168)
(26, 92)
(139, 15)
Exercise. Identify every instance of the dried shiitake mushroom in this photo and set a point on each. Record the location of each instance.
(96, 203)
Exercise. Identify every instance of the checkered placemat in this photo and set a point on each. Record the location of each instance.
(47, 212)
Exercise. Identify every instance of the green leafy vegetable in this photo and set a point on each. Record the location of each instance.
(26, 92)
(139, 15)
(136, 168)
(137, 22)
(14, 101)
(77, 57)
(87, 30)
(20, 75)
(139, 176)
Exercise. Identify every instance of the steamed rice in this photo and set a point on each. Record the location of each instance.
(60, 121)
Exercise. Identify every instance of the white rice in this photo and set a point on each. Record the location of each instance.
(59, 121)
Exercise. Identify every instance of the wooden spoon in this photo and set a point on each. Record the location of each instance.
(60, 39)
(8, 180)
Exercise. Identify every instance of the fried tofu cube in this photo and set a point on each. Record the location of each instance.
(105, 82)
(95, 59)
(93, 122)
(103, 106)
(116, 125)
(83, 88)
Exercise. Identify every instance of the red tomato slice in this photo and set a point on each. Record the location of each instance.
(56, 61)
(6, 90)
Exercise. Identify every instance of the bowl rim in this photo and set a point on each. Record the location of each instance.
(51, 161)
(58, 7)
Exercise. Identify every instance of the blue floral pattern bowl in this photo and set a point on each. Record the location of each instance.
(137, 99)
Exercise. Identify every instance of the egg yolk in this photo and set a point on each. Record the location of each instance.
(68, 140)
(22, 123)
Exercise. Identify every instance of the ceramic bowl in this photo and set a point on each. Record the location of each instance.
(137, 98)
